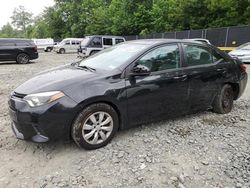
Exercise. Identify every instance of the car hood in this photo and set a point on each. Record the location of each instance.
(59, 78)
(240, 52)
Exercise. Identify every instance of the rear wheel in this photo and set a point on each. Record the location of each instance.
(22, 58)
(95, 126)
(223, 102)
(62, 51)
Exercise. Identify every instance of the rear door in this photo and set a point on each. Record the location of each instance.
(163, 93)
(75, 45)
(205, 74)
(7, 50)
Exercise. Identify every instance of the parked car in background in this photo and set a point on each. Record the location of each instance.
(44, 44)
(242, 53)
(206, 41)
(68, 45)
(19, 50)
(131, 83)
(93, 44)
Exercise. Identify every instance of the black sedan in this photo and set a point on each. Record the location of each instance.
(129, 84)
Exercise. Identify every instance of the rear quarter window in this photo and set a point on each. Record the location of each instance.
(23, 43)
(117, 41)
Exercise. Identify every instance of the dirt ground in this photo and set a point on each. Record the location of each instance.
(200, 150)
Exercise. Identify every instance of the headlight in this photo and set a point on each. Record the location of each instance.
(39, 99)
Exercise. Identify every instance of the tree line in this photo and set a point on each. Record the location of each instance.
(77, 18)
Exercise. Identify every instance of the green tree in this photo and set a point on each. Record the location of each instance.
(8, 31)
(21, 18)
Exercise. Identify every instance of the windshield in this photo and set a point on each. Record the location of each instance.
(113, 57)
(244, 47)
(85, 41)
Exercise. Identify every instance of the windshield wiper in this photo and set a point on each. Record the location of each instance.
(87, 67)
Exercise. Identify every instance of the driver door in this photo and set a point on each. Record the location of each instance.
(163, 92)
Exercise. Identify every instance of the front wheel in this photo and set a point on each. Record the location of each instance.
(95, 126)
(62, 51)
(93, 52)
(22, 58)
(223, 102)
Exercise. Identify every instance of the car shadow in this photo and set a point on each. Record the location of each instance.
(14, 63)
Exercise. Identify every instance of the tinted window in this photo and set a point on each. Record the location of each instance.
(217, 57)
(78, 42)
(3, 43)
(197, 55)
(73, 42)
(117, 41)
(162, 58)
(22, 43)
(67, 42)
(107, 42)
(96, 42)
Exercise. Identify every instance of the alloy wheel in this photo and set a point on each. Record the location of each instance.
(23, 59)
(97, 128)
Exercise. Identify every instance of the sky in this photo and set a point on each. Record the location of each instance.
(35, 6)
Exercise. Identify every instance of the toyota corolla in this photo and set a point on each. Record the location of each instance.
(131, 83)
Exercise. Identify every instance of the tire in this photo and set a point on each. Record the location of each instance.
(93, 52)
(62, 51)
(223, 102)
(22, 58)
(48, 49)
(89, 132)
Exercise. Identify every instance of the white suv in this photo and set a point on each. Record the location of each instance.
(93, 44)
(68, 45)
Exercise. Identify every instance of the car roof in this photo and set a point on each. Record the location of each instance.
(73, 39)
(197, 39)
(113, 36)
(160, 41)
(14, 39)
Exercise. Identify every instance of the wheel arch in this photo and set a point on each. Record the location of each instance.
(61, 49)
(22, 52)
(84, 104)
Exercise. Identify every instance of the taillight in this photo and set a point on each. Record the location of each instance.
(243, 67)
(35, 49)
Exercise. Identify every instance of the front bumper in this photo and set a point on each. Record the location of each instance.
(43, 123)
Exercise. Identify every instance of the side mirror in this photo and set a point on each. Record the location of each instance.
(140, 70)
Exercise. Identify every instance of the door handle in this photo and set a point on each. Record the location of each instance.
(183, 77)
(221, 69)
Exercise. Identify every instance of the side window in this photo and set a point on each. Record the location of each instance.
(22, 44)
(6, 44)
(73, 42)
(67, 42)
(107, 42)
(162, 58)
(96, 42)
(117, 41)
(217, 57)
(78, 42)
(197, 55)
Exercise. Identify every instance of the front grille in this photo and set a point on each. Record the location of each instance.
(18, 95)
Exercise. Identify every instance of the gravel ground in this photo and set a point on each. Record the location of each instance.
(200, 150)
